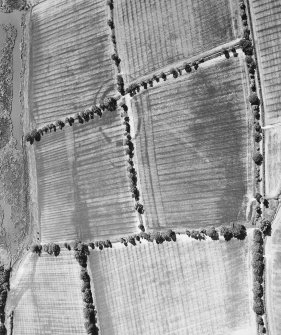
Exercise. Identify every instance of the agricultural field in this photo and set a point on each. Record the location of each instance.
(273, 276)
(266, 19)
(83, 189)
(46, 296)
(187, 287)
(151, 35)
(193, 145)
(272, 161)
(70, 55)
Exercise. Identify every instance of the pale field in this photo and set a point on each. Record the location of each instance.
(70, 55)
(273, 276)
(83, 189)
(193, 145)
(46, 296)
(183, 288)
(272, 161)
(154, 34)
(266, 21)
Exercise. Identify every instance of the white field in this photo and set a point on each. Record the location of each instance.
(183, 288)
(46, 296)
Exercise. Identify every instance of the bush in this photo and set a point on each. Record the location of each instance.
(257, 236)
(258, 158)
(195, 65)
(226, 53)
(110, 23)
(257, 137)
(109, 3)
(56, 249)
(212, 232)
(67, 246)
(36, 135)
(97, 111)
(257, 127)
(258, 267)
(163, 76)
(132, 240)
(89, 313)
(85, 285)
(3, 330)
(188, 233)
(257, 289)
(239, 231)
(226, 233)
(265, 227)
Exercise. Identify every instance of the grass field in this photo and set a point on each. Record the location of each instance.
(46, 296)
(273, 277)
(71, 64)
(187, 287)
(194, 147)
(266, 19)
(151, 35)
(82, 183)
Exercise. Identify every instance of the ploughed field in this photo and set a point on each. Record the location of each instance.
(46, 297)
(266, 23)
(186, 287)
(71, 65)
(154, 34)
(193, 145)
(83, 189)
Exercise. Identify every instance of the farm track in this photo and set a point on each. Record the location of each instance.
(171, 288)
(67, 63)
(46, 296)
(83, 187)
(146, 42)
(191, 172)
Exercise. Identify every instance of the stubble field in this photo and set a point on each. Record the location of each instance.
(193, 145)
(71, 65)
(187, 287)
(154, 34)
(46, 296)
(83, 189)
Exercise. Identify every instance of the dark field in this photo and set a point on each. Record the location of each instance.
(194, 148)
(82, 183)
(154, 34)
(71, 65)
(267, 17)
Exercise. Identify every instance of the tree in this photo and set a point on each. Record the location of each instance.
(116, 59)
(195, 65)
(59, 124)
(144, 84)
(257, 289)
(188, 233)
(89, 313)
(239, 231)
(52, 126)
(36, 135)
(78, 117)
(258, 158)
(233, 50)
(226, 53)
(174, 72)
(29, 138)
(67, 245)
(257, 137)
(246, 46)
(84, 275)
(36, 248)
(226, 233)
(141, 227)
(259, 320)
(155, 78)
(56, 249)
(87, 296)
(258, 306)
(125, 107)
(110, 104)
(85, 285)
(132, 240)
(266, 227)
(257, 236)
(97, 111)
(172, 234)
(212, 232)
(258, 267)
(109, 3)
(254, 99)
(3, 330)
(163, 76)
(139, 208)
(110, 23)
(257, 127)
